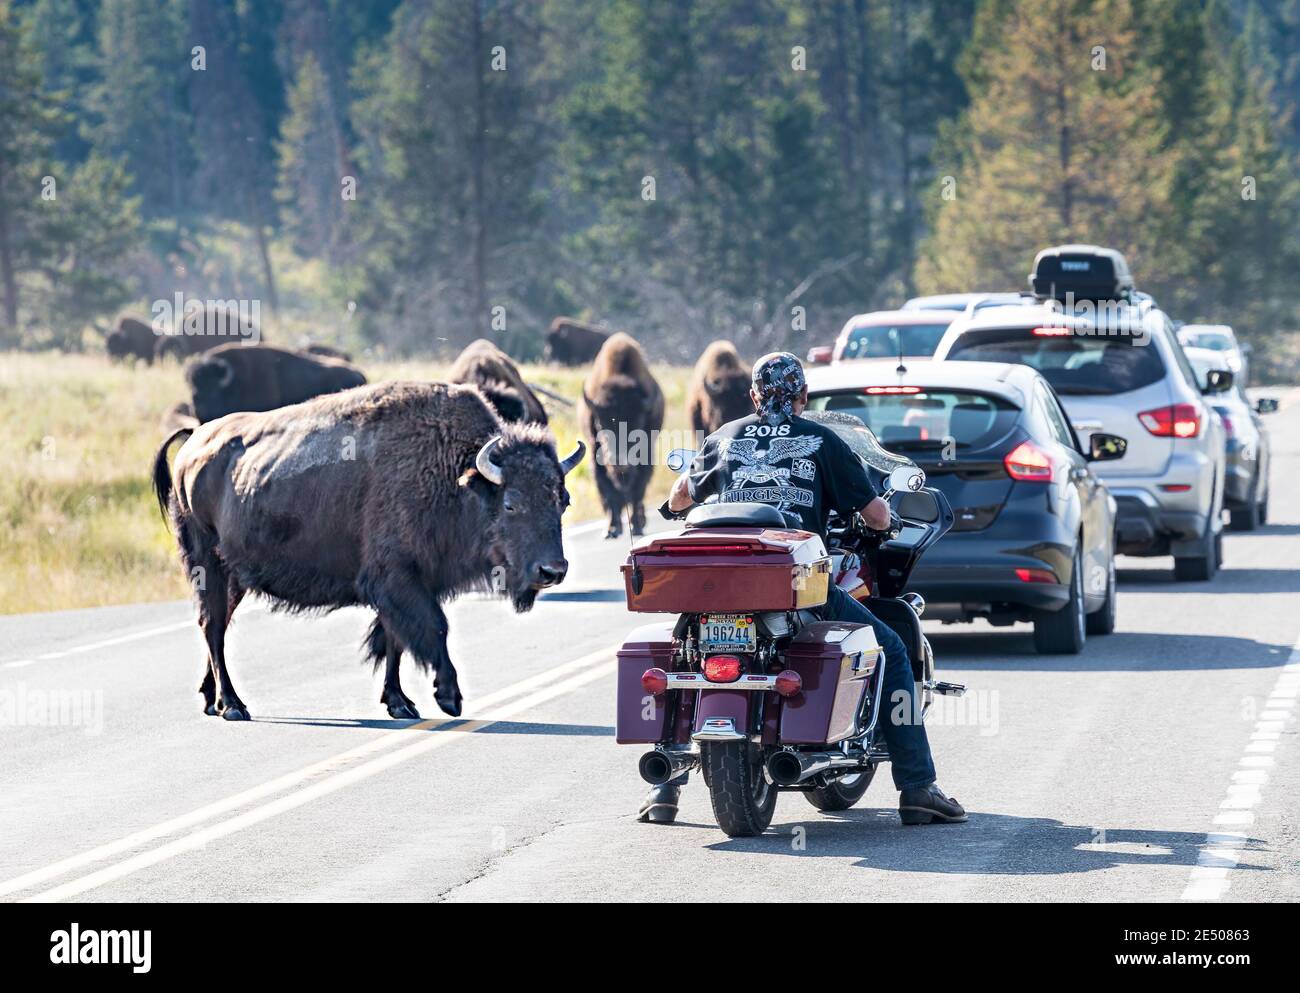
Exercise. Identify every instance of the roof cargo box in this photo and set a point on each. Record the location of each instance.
(1083, 272)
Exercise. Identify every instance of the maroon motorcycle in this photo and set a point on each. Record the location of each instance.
(749, 685)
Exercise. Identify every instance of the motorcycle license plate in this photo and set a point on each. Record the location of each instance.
(727, 633)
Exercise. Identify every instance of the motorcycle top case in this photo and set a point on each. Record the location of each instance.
(727, 570)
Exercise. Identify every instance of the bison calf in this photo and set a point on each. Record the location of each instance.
(398, 496)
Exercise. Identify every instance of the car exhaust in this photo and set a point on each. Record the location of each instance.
(792, 768)
(659, 766)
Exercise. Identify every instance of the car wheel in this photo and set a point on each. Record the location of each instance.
(1103, 621)
(1248, 518)
(1198, 568)
(1062, 632)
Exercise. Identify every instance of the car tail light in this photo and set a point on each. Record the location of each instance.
(654, 681)
(789, 683)
(1175, 487)
(722, 668)
(1029, 463)
(1052, 332)
(1178, 420)
(1035, 576)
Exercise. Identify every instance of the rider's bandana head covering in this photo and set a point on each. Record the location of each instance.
(778, 380)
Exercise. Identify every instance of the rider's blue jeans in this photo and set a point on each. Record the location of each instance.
(900, 721)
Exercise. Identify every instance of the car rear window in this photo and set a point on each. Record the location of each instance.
(1100, 364)
(926, 418)
(882, 341)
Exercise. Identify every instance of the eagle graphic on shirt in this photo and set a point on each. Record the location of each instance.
(757, 466)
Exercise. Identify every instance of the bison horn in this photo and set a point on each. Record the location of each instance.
(488, 469)
(571, 462)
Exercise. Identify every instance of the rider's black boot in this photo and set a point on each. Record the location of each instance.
(928, 805)
(660, 804)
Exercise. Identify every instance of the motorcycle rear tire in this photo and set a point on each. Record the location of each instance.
(838, 795)
(743, 799)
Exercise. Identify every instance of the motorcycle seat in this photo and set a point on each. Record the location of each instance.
(736, 515)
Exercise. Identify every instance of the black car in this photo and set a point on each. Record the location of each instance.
(1034, 532)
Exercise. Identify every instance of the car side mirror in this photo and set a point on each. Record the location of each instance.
(1217, 381)
(1266, 405)
(1106, 447)
(820, 354)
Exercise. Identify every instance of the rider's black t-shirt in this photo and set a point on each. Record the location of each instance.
(798, 466)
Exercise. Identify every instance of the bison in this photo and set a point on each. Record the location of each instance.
(719, 390)
(490, 369)
(570, 342)
(205, 330)
(131, 339)
(262, 377)
(622, 410)
(397, 496)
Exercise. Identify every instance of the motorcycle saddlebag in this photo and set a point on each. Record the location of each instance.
(642, 718)
(835, 660)
(727, 570)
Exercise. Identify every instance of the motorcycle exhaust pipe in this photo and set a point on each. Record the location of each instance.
(792, 768)
(659, 767)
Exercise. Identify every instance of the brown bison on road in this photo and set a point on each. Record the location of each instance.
(719, 390)
(486, 366)
(570, 342)
(622, 409)
(260, 377)
(397, 496)
(131, 339)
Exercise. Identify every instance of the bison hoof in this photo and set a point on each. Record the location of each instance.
(451, 705)
(211, 709)
(613, 533)
(235, 714)
(403, 710)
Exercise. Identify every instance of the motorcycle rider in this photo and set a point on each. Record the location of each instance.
(775, 456)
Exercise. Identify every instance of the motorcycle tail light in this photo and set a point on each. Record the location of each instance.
(722, 668)
(654, 681)
(789, 682)
(1029, 464)
(1177, 420)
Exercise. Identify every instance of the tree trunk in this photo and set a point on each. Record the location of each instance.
(481, 319)
(9, 284)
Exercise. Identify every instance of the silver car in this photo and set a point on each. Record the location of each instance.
(1245, 490)
(1119, 369)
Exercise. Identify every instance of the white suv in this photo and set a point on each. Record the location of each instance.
(1119, 369)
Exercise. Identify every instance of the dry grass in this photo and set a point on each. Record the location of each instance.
(78, 523)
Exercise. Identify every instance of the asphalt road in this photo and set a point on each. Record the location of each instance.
(1161, 764)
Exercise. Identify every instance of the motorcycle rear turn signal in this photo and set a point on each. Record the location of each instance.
(789, 683)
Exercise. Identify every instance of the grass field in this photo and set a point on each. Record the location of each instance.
(78, 523)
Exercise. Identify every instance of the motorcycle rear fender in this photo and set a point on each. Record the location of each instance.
(732, 705)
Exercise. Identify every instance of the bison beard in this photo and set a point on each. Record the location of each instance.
(398, 497)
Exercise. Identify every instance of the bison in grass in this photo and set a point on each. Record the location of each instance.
(570, 342)
(131, 339)
(622, 410)
(719, 390)
(261, 377)
(490, 369)
(397, 496)
(204, 330)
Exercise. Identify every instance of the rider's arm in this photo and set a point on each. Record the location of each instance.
(876, 514)
(680, 497)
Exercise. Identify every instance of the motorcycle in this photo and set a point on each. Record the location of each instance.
(749, 685)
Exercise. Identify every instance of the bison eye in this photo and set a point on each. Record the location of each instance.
(509, 505)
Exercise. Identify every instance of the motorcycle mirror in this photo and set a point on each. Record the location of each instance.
(679, 458)
(907, 479)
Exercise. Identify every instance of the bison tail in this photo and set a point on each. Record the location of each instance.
(376, 643)
(162, 471)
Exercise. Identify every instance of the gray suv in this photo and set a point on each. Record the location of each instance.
(1119, 369)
